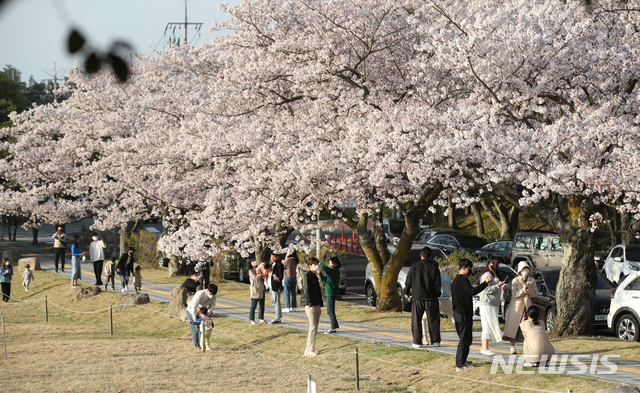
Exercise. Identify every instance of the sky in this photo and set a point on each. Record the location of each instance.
(33, 33)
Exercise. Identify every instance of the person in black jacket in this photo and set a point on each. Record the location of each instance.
(423, 284)
(192, 283)
(125, 268)
(311, 299)
(462, 293)
(275, 286)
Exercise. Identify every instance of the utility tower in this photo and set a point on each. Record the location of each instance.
(172, 26)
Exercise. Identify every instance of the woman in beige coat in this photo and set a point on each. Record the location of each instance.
(536, 342)
(523, 288)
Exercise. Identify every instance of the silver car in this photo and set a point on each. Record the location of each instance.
(414, 256)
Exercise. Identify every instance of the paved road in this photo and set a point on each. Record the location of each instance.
(627, 371)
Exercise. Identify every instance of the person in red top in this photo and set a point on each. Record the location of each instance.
(290, 266)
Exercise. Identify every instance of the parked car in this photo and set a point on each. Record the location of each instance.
(414, 256)
(624, 313)
(500, 249)
(302, 269)
(547, 281)
(537, 248)
(622, 261)
(393, 229)
(426, 234)
(507, 274)
(450, 242)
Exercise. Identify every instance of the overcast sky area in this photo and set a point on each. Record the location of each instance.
(33, 33)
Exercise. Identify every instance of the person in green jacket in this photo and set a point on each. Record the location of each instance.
(330, 276)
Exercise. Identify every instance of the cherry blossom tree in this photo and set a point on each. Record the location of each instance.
(551, 111)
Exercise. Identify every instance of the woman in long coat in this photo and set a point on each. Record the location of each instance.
(523, 288)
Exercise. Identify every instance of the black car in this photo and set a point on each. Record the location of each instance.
(451, 242)
(500, 249)
(547, 280)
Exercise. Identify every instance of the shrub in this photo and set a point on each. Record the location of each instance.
(146, 245)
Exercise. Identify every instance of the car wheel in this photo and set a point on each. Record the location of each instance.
(627, 328)
(372, 297)
(550, 320)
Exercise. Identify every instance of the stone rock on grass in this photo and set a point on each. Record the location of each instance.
(125, 301)
(13, 255)
(619, 389)
(33, 262)
(86, 292)
(178, 303)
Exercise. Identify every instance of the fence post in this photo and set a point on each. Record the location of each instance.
(204, 350)
(357, 371)
(4, 338)
(110, 320)
(46, 309)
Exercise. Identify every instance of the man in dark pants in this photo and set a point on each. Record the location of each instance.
(423, 284)
(462, 298)
(60, 246)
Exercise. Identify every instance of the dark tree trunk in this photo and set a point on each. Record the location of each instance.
(35, 231)
(514, 220)
(627, 236)
(576, 288)
(478, 217)
(452, 214)
(385, 267)
(575, 292)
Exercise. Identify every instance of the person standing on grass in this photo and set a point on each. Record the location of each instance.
(208, 326)
(462, 293)
(27, 277)
(96, 252)
(76, 254)
(203, 298)
(6, 271)
(444, 302)
(256, 292)
(330, 276)
(275, 286)
(110, 273)
(523, 288)
(60, 247)
(489, 305)
(423, 284)
(311, 299)
(290, 285)
(125, 267)
(137, 279)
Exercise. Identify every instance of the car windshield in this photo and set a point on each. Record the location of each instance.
(414, 256)
(633, 253)
(471, 241)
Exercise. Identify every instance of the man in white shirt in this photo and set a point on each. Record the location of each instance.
(96, 251)
(204, 298)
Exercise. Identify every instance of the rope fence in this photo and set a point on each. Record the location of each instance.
(349, 353)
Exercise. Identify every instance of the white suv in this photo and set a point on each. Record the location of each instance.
(624, 312)
(621, 262)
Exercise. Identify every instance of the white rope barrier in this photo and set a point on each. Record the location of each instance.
(301, 355)
(25, 300)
